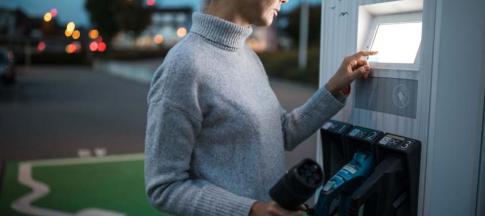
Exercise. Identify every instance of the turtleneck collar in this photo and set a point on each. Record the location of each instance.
(225, 34)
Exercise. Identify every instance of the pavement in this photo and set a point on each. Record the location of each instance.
(67, 111)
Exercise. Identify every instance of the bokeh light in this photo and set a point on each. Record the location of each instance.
(93, 34)
(53, 12)
(41, 46)
(181, 32)
(151, 2)
(71, 48)
(70, 26)
(68, 33)
(93, 46)
(76, 34)
(102, 47)
(47, 17)
(158, 39)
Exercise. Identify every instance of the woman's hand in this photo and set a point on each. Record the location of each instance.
(353, 67)
(271, 209)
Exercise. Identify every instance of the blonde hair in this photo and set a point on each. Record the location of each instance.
(205, 4)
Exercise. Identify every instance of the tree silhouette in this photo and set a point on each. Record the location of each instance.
(293, 28)
(113, 16)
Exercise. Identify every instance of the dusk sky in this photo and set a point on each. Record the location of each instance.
(73, 10)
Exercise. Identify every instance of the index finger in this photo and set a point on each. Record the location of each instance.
(363, 53)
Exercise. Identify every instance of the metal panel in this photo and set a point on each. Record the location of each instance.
(388, 95)
(455, 126)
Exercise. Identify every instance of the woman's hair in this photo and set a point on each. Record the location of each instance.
(205, 4)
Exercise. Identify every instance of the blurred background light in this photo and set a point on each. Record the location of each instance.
(41, 46)
(93, 46)
(53, 12)
(70, 26)
(102, 47)
(181, 32)
(151, 2)
(76, 34)
(158, 39)
(47, 17)
(71, 48)
(93, 34)
(68, 33)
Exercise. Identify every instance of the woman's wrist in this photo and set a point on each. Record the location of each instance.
(255, 208)
(331, 88)
(336, 91)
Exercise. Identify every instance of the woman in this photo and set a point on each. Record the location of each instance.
(216, 133)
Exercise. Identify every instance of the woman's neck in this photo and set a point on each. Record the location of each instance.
(216, 8)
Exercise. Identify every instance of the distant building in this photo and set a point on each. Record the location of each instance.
(167, 27)
(15, 25)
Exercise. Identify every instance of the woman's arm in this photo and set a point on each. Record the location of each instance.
(302, 122)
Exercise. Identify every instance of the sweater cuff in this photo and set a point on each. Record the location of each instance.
(216, 201)
(325, 101)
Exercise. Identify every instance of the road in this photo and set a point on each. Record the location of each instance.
(68, 111)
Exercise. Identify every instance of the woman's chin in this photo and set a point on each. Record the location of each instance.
(264, 22)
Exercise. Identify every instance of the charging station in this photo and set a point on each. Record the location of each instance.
(426, 94)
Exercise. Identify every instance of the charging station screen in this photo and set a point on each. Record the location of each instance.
(396, 42)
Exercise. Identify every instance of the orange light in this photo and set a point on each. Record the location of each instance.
(76, 34)
(93, 34)
(53, 12)
(68, 33)
(47, 17)
(71, 48)
(93, 46)
(181, 32)
(102, 47)
(41, 46)
(158, 39)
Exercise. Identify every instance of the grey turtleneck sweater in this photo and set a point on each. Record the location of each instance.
(216, 133)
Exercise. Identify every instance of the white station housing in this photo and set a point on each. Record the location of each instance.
(428, 84)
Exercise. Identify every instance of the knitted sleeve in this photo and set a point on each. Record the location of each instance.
(305, 120)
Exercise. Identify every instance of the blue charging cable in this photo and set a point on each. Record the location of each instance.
(344, 182)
